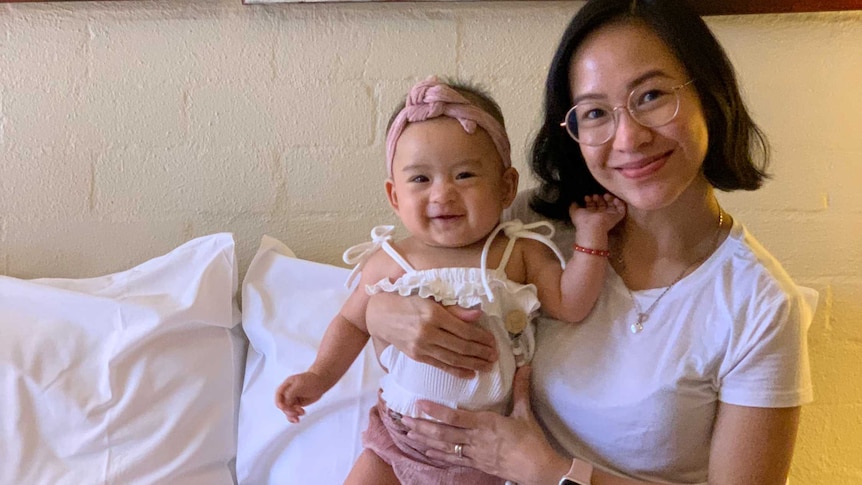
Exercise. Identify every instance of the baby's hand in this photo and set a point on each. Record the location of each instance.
(600, 213)
(298, 391)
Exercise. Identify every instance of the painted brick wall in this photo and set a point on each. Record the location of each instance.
(127, 128)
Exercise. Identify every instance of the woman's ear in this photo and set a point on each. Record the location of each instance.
(390, 194)
(510, 186)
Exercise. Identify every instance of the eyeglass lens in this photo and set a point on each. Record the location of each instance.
(653, 104)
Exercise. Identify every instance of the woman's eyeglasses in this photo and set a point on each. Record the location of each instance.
(654, 104)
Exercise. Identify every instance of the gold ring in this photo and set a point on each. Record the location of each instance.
(459, 450)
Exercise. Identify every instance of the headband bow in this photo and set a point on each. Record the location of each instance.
(431, 99)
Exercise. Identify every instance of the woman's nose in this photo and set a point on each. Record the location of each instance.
(628, 133)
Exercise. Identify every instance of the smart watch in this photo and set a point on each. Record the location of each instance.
(580, 473)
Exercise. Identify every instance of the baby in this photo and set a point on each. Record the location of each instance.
(450, 178)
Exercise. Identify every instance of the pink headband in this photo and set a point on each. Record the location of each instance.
(430, 99)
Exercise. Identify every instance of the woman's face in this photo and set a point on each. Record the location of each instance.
(649, 168)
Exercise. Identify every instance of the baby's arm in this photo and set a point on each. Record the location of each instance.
(341, 344)
(344, 339)
(570, 294)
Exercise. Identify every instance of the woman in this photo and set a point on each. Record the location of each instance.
(693, 366)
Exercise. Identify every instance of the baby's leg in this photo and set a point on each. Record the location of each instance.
(369, 468)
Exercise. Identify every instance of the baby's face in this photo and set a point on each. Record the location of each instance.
(449, 187)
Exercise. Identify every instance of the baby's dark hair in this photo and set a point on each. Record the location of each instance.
(474, 93)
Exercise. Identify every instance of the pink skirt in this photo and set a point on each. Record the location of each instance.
(387, 437)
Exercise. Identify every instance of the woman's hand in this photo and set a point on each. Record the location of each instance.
(430, 333)
(512, 447)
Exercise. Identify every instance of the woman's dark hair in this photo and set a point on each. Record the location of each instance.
(738, 153)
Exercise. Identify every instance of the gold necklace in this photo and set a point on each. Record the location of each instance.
(643, 315)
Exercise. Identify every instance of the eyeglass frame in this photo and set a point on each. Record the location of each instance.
(675, 89)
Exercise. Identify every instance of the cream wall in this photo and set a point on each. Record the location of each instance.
(127, 128)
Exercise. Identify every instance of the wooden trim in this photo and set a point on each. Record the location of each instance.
(735, 7)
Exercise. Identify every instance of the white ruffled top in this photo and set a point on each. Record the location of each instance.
(489, 289)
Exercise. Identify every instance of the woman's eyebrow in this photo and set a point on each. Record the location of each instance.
(630, 86)
(646, 76)
(594, 96)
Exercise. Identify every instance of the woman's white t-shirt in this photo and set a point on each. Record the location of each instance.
(734, 330)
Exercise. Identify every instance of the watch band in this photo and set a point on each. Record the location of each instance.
(581, 473)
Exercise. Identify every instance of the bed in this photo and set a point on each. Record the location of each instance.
(154, 375)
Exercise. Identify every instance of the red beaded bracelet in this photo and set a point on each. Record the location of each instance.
(595, 252)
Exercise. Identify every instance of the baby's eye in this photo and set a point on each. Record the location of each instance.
(418, 179)
(465, 175)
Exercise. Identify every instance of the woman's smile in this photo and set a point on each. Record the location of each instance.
(644, 167)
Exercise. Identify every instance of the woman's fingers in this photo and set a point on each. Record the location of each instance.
(466, 339)
(450, 341)
(450, 428)
(441, 437)
(451, 457)
(521, 393)
(469, 315)
(443, 450)
(452, 417)
(477, 433)
(452, 362)
(457, 364)
(513, 447)
(428, 333)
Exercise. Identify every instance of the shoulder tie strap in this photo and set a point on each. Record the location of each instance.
(515, 229)
(358, 255)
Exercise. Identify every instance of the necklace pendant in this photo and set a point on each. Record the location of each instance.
(638, 326)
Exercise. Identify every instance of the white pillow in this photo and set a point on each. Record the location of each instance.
(128, 378)
(287, 305)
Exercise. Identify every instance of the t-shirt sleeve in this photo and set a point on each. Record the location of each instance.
(767, 360)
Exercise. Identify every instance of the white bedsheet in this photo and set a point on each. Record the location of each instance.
(287, 304)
